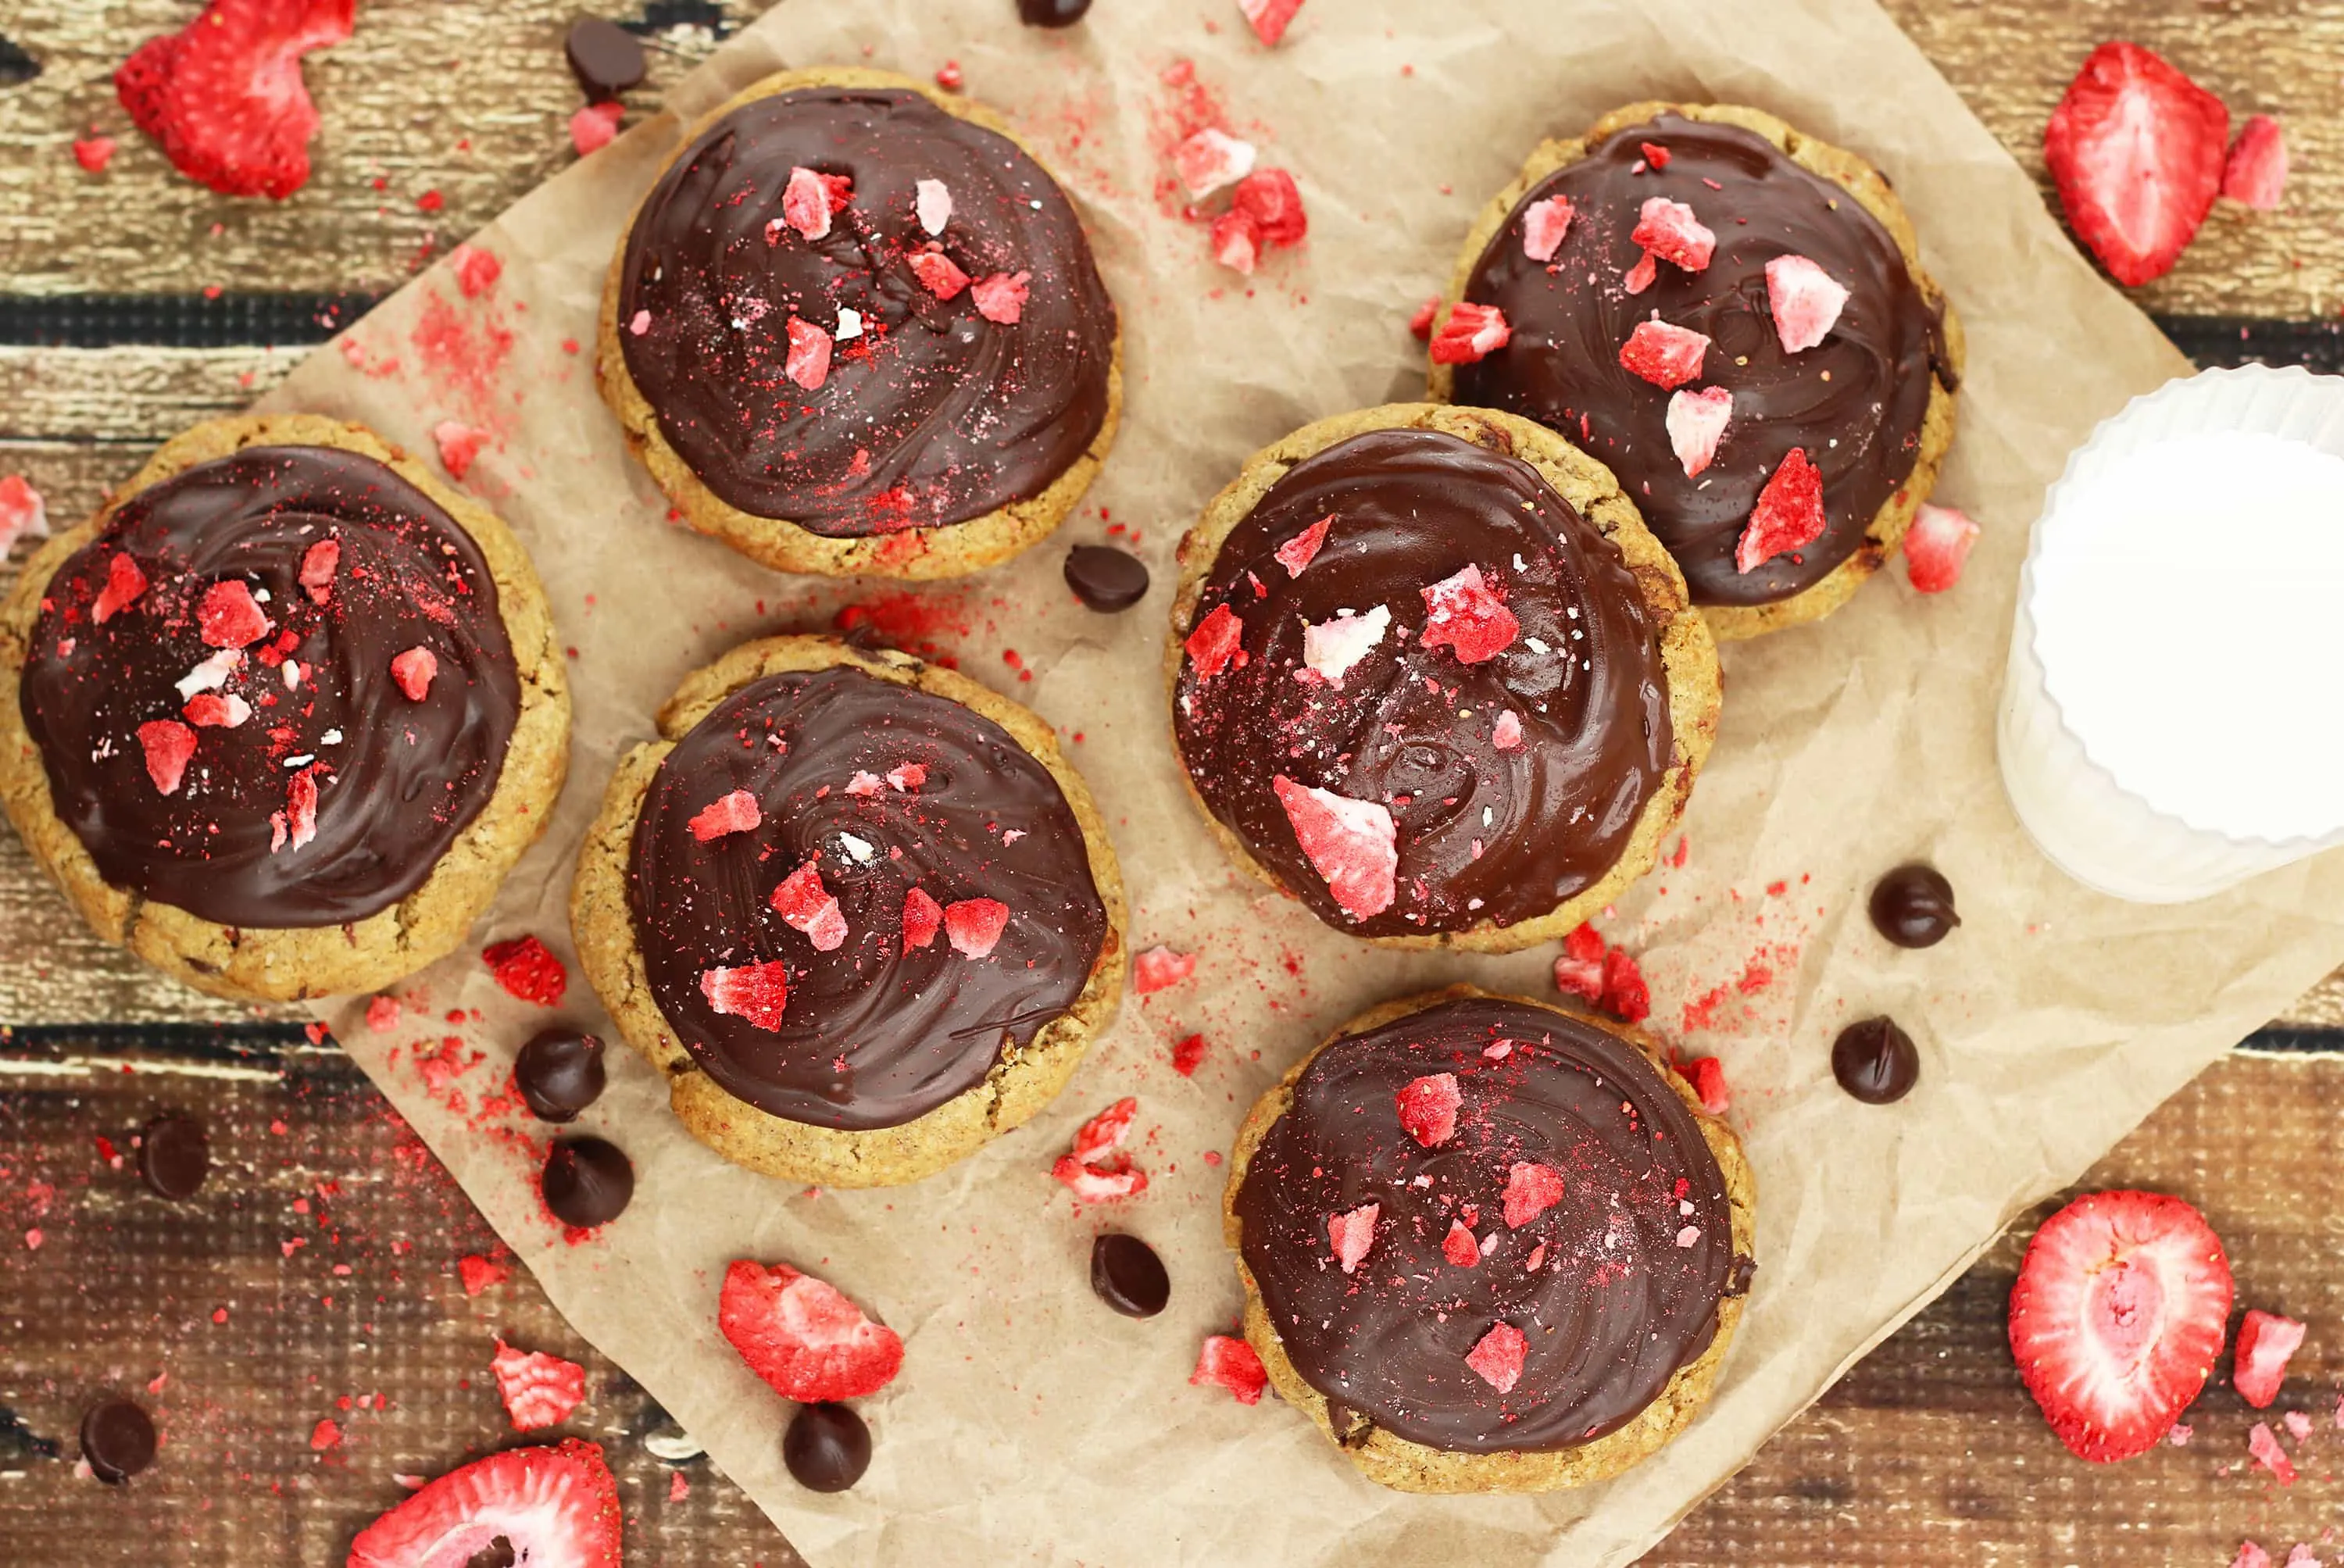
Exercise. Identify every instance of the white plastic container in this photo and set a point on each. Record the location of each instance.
(2172, 722)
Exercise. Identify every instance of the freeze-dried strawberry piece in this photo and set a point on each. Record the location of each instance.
(908, 777)
(1230, 1363)
(2263, 1443)
(460, 444)
(1498, 1358)
(1352, 1234)
(211, 711)
(414, 671)
(1805, 301)
(2136, 150)
(1544, 225)
(1210, 159)
(923, 919)
(932, 204)
(2255, 171)
(865, 785)
(734, 813)
(972, 925)
(1530, 1191)
(318, 568)
(1506, 734)
(1464, 613)
(539, 1390)
(1420, 325)
(1579, 971)
(1664, 354)
(1303, 549)
(124, 582)
(1001, 299)
(1160, 968)
(806, 203)
(94, 153)
(805, 904)
(1236, 242)
(479, 1273)
(1104, 1183)
(1187, 1054)
(1697, 423)
(937, 274)
(528, 970)
(1669, 230)
(23, 512)
(301, 813)
(1470, 335)
(808, 358)
(1270, 19)
(223, 96)
(1329, 648)
(1270, 198)
(1625, 995)
(595, 126)
(1351, 843)
(2250, 1556)
(1707, 1076)
(169, 745)
(2259, 1360)
(477, 270)
(756, 992)
(1105, 1130)
(1937, 547)
(1459, 1246)
(1427, 1108)
(1214, 643)
(803, 1336)
(1642, 276)
(229, 617)
(1789, 514)
(1655, 154)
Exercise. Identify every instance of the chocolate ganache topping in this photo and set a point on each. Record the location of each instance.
(1503, 785)
(965, 912)
(273, 690)
(943, 395)
(1574, 1202)
(1855, 403)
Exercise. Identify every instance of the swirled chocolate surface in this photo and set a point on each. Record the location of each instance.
(876, 1031)
(1614, 1288)
(1856, 402)
(396, 777)
(1482, 833)
(930, 413)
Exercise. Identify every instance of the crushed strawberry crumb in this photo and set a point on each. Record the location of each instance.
(481, 1273)
(1428, 1108)
(414, 672)
(1937, 548)
(1159, 968)
(1789, 514)
(94, 153)
(1498, 1357)
(734, 813)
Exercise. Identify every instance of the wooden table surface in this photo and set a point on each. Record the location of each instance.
(315, 1278)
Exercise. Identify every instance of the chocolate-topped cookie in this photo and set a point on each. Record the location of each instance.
(856, 328)
(856, 908)
(1430, 676)
(280, 717)
(1500, 1238)
(1732, 316)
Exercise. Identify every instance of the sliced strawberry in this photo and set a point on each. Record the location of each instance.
(2263, 1443)
(1530, 1191)
(805, 204)
(1427, 1108)
(551, 1507)
(756, 992)
(2256, 171)
(1353, 844)
(223, 96)
(1105, 1131)
(1642, 276)
(734, 813)
(414, 672)
(1707, 1076)
(1697, 423)
(1230, 1363)
(1498, 1357)
(479, 1273)
(804, 904)
(539, 1390)
(2136, 150)
(923, 919)
(229, 617)
(808, 362)
(459, 446)
(23, 512)
(1214, 643)
(2259, 1362)
(1330, 648)
(1352, 1234)
(1270, 198)
(1625, 995)
(169, 746)
(1470, 335)
(1300, 551)
(1001, 299)
(1579, 972)
(803, 1336)
(1464, 613)
(1789, 514)
(1210, 159)
(1669, 230)
(1160, 968)
(1544, 225)
(974, 925)
(938, 274)
(528, 970)
(1665, 355)
(1460, 1247)
(125, 583)
(1506, 734)
(2117, 1318)
(1236, 242)
(932, 204)
(1110, 1179)
(319, 565)
(1937, 547)
(1805, 301)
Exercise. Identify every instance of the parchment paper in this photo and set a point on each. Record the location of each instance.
(1030, 1424)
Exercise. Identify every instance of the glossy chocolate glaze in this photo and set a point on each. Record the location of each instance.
(1485, 835)
(1616, 1306)
(933, 415)
(873, 1035)
(1856, 402)
(397, 779)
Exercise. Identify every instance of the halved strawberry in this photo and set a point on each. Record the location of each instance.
(1352, 1234)
(1696, 423)
(2117, 1318)
(2259, 1360)
(1470, 335)
(224, 95)
(2263, 1444)
(551, 1507)
(1159, 968)
(2136, 150)
(1270, 198)
(1544, 225)
(1669, 230)
(803, 1336)
(1463, 613)
(1804, 300)
(734, 813)
(539, 1390)
(1937, 547)
(1498, 1357)
(1353, 844)
(1224, 1361)
(1427, 1108)
(1664, 354)
(2255, 171)
(756, 992)
(1789, 514)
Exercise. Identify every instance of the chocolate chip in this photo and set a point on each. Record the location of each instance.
(175, 1156)
(118, 1438)
(605, 57)
(16, 68)
(1128, 1276)
(1737, 1281)
(1052, 13)
(1913, 907)
(827, 1447)
(559, 1073)
(1106, 579)
(1876, 1061)
(588, 1181)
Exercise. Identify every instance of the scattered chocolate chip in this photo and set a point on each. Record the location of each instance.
(559, 1073)
(1737, 1282)
(1351, 1427)
(827, 1447)
(588, 1181)
(1052, 13)
(1106, 579)
(1876, 1061)
(16, 68)
(605, 57)
(1913, 907)
(496, 1553)
(1128, 1276)
(118, 1438)
(175, 1156)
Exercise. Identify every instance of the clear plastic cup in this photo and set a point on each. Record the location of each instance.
(2172, 722)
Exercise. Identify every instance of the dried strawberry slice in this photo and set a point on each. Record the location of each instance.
(1270, 198)
(23, 512)
(1236, 242)
(124, 582)
(1210, 159)
(1214, 643)
(972, 925)
(528, 970)
(1789, 514)
(1352, 1234)
(229, 617)
(539, 1390)
(169, 746)
(1303, 549)
(923, 919)
(1001, 299)
(1530, 1191)
(554, 1506)
(2136, 150)
(1664, 354)
(938, 274)
(803, 1336)
(1459, 1246)
(805, 904)
(1427, 1108)
(756, 992)
(806, 203)
(1642, 276)
(1351, 843)
(2255, 171)
(734, 813)
(223, 96)
(1805, 301)
(414, 672)
(1669, 230)
(1697, 423)
(1937, 548)
(1464, 613)
(1270, 19)
(808, 364)
(1544, 225)
(1498, 1357)
(318, 568)
(1160, 968)
(1707, 1076)
(1470, 335)
(2259, 1362)
(1230, 1363)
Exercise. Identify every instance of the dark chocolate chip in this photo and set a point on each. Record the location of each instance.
(1128, 1276)
(588, 1181)
(605, 57)
(1876, 1061)
(1052, 13)
(559, 1073)
(175, 1156)
(1353, 1428)
(118, 1438)
(1737, 1282)
(827, 1447)
(1913, 907)
(1106, 579)
(16, 68)
(496, 1553)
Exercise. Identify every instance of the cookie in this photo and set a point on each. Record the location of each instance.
(1669, 260)
(1490, 1244)
(281, 716)
(857, 908)
(855, 327)
(1430, 676)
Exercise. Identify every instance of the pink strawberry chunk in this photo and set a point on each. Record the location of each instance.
(2255, 171)
(1210, 159)
(1460, 1247)
(906, 778)
(1159, 968)
(1642, 276)
(1789, 514)
(1707, 1076)
(1498, 1358)
(1353, 844)
(1001, 299)
(229, 617)
(974, 925)
(923, 919)
(805, 204)
(23, 512)
(1625, 995)
(805, 904)
(125, 583)
(1544, 225)
(1352, 1234)
(1303, 549)
(1273, 202)
(1506, 734)
(1530, 1191)
(1270, 19)
(318, 569)
(595, 126)
(734, 813)
(1472, 334)
(756, 992)
(169, 746)
(301, 808)
(1214, 643)
(932, 204)
(1667, 356)
(1937, 548)
(1106, 1182)
(1805, 301)
(2263, 1443)
(1427, 1108)
(1669, 230)
(808, 364)
(539, 1390)
(1579, 972)
(1696, 423)
(803, 1336)
(2250, 1556)
(2258, 1364)
(1236, 242)
(414, 672)
(1463, 612)
(938, 274)
(459, 446)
